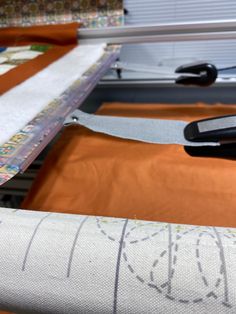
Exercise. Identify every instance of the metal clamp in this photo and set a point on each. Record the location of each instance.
(219, 129)
(206, 73)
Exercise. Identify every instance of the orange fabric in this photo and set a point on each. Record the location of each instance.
(64, 37)
(60, 34)
(95, 174)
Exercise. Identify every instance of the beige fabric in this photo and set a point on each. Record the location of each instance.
(61, 263)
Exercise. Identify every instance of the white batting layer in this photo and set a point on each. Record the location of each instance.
(22, 103)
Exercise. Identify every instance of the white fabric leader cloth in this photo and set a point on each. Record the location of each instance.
(22, 103)
(157, 131)
(61, 263)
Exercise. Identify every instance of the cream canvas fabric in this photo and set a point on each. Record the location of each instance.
(61, 263)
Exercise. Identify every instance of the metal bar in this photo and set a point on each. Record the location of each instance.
(158, 82)
(225, 29)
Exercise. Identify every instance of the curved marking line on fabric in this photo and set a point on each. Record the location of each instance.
(32, 239)
(169, 260)
(103, 231)
(208, 233)
(98, 220)
(148, 237)
(136, 241)
(231, 233)
(199, 263)
(132, 242)
(154, 287)
(171, 273)
(223, 261)
(218, 283)
(117, 275)
(176, 247)
(227, 236)
(74, 245)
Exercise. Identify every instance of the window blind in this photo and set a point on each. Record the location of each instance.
(220, 52)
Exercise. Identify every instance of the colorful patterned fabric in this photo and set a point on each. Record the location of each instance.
(27, 50)
(11, 57)
(91, 13)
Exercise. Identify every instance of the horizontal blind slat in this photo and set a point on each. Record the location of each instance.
(221, 52)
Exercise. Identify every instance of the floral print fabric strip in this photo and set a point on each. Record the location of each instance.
(91, 13)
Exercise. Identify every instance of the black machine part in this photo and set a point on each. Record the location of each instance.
(206, 74)
(219, 129)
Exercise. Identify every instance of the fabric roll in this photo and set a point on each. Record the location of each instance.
(60, 34)
(56, 263)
